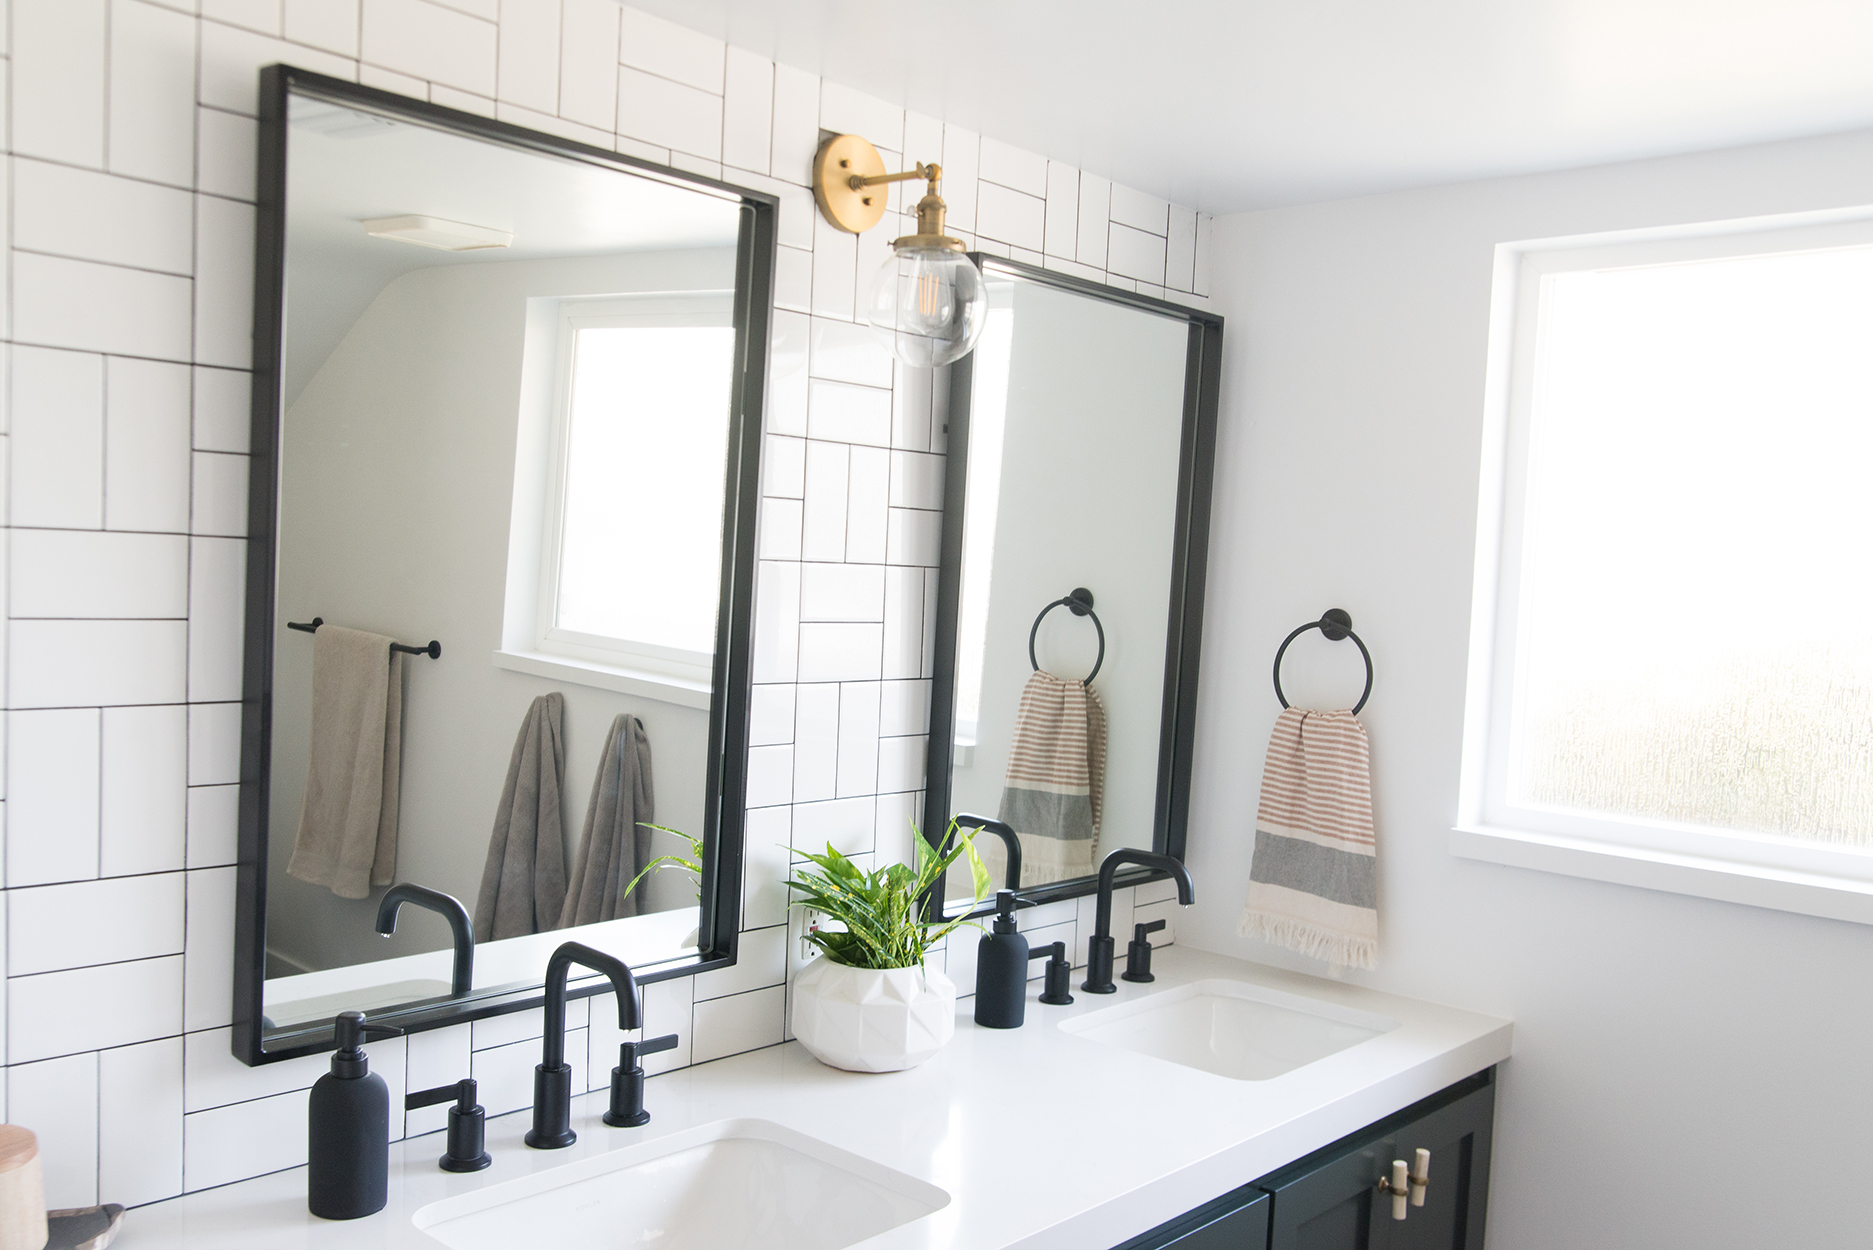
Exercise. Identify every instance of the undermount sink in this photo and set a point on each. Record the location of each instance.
(1231, 1028)
(731, 1183)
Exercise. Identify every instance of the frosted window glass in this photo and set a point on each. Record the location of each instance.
(1696, 611)
(641, 548)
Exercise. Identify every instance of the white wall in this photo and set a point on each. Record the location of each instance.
(397, 472)
(1687, 1072)
(130, 167)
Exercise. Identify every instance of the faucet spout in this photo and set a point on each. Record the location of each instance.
(1099, 946)
(461, 928)
(552, 1079)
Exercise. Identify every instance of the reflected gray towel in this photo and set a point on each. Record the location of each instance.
(523, 886)
(347, 836)
(1055, 787)
(616, 845)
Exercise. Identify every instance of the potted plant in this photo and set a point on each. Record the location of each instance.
(870, 1003)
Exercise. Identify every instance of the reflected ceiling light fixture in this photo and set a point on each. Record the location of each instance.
(447, 236)
(927, 301)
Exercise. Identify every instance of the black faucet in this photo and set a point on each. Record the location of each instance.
(1099, 946)
(552, 1079)
(462, 974)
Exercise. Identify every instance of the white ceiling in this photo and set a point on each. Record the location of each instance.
(346, 166)
(1229, 105)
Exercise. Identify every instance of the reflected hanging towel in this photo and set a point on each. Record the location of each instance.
(1055, 787)
(616, 845)
(347, 837)
(523, 886)
(1313, 885)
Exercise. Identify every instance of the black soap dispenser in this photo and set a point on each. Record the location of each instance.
(348, 1128)
(1002, 970)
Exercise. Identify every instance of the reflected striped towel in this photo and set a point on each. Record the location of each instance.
(1313, 886)
(1056, 780)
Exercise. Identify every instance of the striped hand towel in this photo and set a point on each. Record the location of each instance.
(1056, 780)
(1313, 886)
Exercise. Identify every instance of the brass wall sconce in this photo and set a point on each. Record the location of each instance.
(927, 301)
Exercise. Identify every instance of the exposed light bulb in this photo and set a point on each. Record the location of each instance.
(928, 304)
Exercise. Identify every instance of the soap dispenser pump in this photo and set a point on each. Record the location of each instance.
(1002, 970)
(348, 1128)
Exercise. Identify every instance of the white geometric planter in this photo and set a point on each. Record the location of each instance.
(872, 1019)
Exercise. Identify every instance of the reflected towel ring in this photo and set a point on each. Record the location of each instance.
(1336, 624)
(1080, 603)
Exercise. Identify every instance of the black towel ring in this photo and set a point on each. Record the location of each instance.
(1080, 603)
(1336, 624)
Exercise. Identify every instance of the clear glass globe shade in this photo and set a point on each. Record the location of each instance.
(929, 305)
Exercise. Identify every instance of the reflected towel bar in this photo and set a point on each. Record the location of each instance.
(433, 650)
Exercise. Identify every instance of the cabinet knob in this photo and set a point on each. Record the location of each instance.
(1420, 1176)
(1407, 1186)
(1398, 1189)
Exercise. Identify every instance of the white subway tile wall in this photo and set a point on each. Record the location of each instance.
(124, 388)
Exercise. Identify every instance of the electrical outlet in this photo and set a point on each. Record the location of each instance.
(809, 923)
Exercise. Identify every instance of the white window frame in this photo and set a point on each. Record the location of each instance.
(1762, 870)
(630, 665)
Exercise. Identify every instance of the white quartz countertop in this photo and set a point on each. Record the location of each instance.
(1042, 1139)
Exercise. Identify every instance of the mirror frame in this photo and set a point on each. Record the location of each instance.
(1190, 547)
(728, 708)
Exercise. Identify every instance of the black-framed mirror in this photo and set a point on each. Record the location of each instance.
(1069, 616)
(502, 504)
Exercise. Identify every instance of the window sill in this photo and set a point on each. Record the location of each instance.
(657, 686)
(1730, 881)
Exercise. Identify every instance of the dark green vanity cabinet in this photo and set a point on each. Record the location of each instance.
(1235, 1221)
(1331, 1199)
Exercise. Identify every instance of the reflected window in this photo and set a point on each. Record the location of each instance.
(988, 417)
(634, 536)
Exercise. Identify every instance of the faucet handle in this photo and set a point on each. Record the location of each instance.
(630, 1052)
(627, 1082)
(467, 1124)
(1057, 989)
(1138, 954)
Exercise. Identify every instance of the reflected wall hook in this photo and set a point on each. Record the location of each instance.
(433, 650)
(1080, 603)
(1337, 625)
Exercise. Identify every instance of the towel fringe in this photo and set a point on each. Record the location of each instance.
(1340, 949)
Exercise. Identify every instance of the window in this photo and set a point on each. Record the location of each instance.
(631, 538)
(1675, 666)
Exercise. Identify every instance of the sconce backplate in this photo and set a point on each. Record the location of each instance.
(840, 158)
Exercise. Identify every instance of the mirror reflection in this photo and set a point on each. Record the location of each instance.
(506, 428)
(1074, 441)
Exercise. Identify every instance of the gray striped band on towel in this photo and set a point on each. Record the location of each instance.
(1334, 875)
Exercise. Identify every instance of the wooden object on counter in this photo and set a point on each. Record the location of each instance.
(22, 1191)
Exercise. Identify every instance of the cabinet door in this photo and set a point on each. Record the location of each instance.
(1236, 1221)
(1331, 1200)
(1454, 1202)
(1330, 1207)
